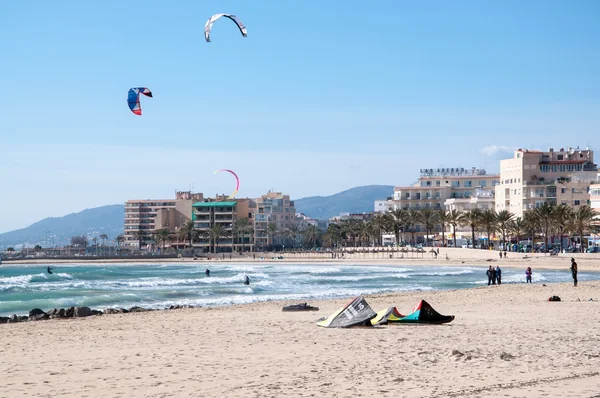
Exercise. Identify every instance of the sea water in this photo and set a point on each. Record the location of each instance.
(156, 285)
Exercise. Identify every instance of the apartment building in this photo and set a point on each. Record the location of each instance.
(383, 206)
(152, 214)
(595, 195)
(448, 188)
(533, 177)
(277, 209)
(226, 213)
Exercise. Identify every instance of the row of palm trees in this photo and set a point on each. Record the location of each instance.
(546, 220)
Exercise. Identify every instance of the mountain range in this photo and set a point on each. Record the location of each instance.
(109, 219)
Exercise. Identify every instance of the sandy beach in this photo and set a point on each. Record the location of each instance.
(505, 341)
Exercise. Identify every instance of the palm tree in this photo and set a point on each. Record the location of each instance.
(293, 232)
(532, 223)
(188, 231)
(443, 217)
(398, 218)
(562, 217)
(272, 231)
(120, 239)
(334, 234)
(162, 236)
(411, 222)
(103, 237)
(489, 223)
(380, 223)
(454, 219)
(516, 227)
(312, 236)
(503, 218)
(242, 226)
(472, 218)
(427, 217)
(95, 240)
(351, 228)
(214, 233)
(544, 214)
(584, 223)
(140, 234)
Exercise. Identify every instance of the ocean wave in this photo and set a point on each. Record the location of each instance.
(444, 273)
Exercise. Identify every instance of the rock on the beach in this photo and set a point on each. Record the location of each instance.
(111, 311)
(36, 311)
(96, 312)
(53, 311)
(37, 315)
(4, 319)
(61, 312)
(69, 312)
(137, 309)
(80, 312)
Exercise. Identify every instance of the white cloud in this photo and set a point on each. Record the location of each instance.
(497, 151)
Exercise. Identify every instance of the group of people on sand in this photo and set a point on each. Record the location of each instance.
(494, 275)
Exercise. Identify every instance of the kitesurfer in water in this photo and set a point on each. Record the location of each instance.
(207, 272)
(49, 269)
(246, 280)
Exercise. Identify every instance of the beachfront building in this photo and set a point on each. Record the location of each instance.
(595, 196)
(531, 178)
(448, 189)
(142, 217)
(225, 212)
(275, 214)
(383, 206)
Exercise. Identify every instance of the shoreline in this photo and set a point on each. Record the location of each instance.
(537, 262)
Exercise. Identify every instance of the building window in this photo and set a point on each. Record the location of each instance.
(437, 183)
(563, 190)
(468, 184)
(576, 203)
(482, 183)
(456, 184)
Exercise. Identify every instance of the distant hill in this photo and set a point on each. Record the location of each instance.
(90, 222)
(355, 200)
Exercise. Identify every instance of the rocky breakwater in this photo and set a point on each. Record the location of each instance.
(37, 314)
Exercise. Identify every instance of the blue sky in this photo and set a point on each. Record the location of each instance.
(320, 97)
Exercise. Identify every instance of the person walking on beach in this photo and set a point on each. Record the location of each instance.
(498, 274)
(489, 274)
(500, 254)
(505, 254)
(528, 273)
(574, 271)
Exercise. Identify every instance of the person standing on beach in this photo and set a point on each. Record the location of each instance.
(489, 274)
(498, 274)
(574, 271)
(528, 273)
